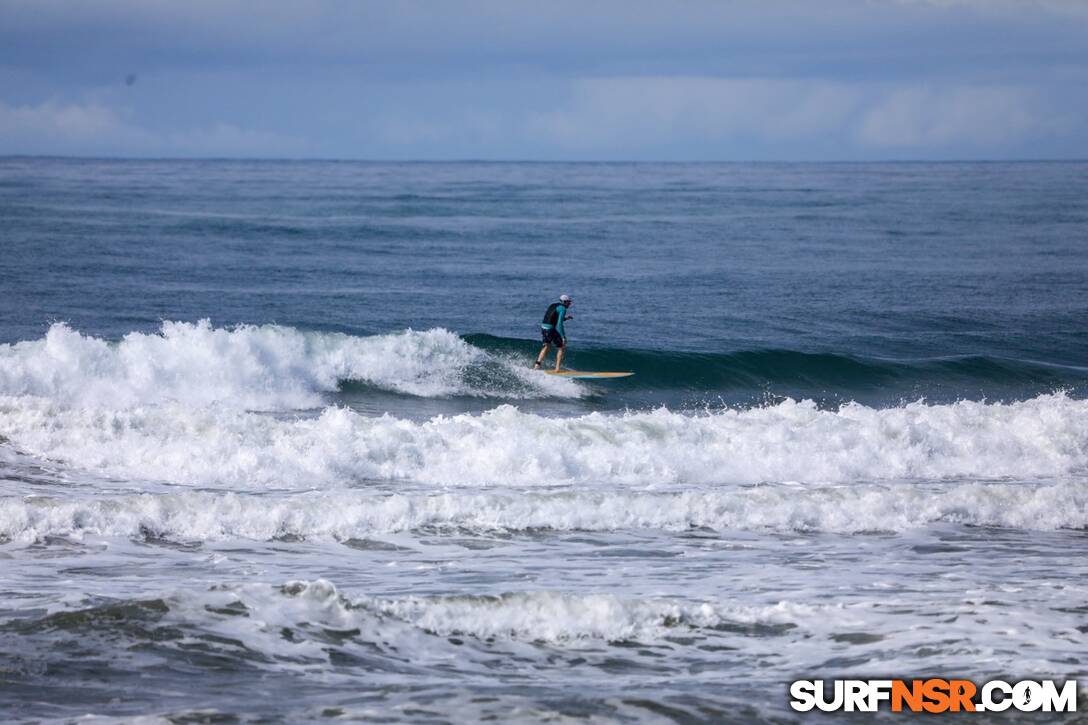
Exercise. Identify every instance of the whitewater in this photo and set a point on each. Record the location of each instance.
(310, 478)
(178, 407)
(198, 437)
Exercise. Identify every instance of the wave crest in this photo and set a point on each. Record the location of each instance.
(347, 516)
(266, 367)
(788, 442)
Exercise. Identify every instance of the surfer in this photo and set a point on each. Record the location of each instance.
(551, 330)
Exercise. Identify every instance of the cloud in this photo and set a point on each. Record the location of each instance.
(617, 111)
(227, 140)
(610, 117)
(1071, 8)
(63, 122)
(748, 118)
(616, 117)
(615, 79)
(925, 117)
(94, 128)
(751, 37)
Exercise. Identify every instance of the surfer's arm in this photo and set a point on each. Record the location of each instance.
(559, 321)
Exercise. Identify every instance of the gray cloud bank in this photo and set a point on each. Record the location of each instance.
(562, 80)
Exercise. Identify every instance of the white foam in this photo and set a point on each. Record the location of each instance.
(205, 516)
(792, 441)
(546, 616)
(266, 367)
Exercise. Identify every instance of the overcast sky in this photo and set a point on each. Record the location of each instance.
(623, 79)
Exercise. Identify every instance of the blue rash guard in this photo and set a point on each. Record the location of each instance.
(553, 318)
(551, 328)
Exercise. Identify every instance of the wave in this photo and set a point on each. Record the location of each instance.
(557, 617)
(788, 442)
(757, 370)
(265, 367)
(352, 516)
(259, 614)
(178, 406)
(277, 368)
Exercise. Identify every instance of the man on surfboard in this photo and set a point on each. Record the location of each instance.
(551, 330)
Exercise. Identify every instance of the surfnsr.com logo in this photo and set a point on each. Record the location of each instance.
(933, 695)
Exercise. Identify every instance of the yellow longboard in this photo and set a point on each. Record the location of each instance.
(583, 375)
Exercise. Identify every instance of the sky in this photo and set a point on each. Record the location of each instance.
(683, 80)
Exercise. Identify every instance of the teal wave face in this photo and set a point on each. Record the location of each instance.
(815, 375)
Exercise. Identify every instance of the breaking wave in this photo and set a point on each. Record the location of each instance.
(278, 368)
(351, 516)
(792, 441)
(260, 614)
(266, 367)
(182, 406)
(762, 369)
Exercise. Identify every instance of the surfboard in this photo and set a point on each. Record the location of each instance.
(586, 375)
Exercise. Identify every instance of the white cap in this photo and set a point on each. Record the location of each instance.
(564, 298)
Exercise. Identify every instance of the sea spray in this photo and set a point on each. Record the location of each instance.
(198, 516)
(266, 367)
(793, 441)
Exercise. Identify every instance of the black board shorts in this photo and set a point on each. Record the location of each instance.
(551, 337)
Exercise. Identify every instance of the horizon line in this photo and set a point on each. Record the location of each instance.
(470, 160)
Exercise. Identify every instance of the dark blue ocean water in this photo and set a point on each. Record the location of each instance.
(270, 447)
(947, 280)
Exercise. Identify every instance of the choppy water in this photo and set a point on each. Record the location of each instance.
(271, 449)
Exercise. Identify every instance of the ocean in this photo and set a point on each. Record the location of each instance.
(271, 449)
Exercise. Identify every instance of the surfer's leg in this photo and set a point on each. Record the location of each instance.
(558, 358)
(540, 357)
